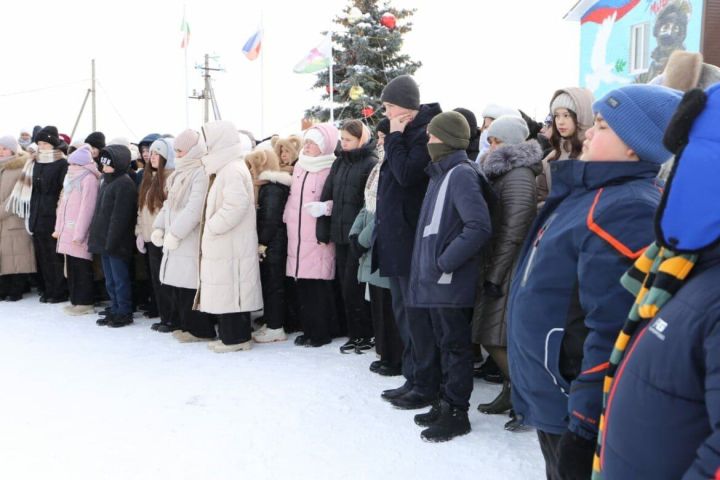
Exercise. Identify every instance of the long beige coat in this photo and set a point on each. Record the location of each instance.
(229, 266)
(16, 248)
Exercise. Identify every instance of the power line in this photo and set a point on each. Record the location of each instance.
(122, 119)
(51, 87)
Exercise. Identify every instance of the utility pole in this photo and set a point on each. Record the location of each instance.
(208, 93)
(94, 121)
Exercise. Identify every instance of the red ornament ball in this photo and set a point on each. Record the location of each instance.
(367, 112)
(388, 20)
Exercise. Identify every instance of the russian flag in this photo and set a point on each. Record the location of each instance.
(605, 8)
(251, 49)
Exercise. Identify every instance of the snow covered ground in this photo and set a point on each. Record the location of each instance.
(84, 402)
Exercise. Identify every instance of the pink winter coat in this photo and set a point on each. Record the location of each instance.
(75, 210)
(307, 258)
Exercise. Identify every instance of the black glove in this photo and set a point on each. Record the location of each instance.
(575, 456)
(491, 290)
(355, 247)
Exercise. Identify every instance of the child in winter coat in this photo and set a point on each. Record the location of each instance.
(454, 225)
(152, 194)
(310, 261)
(571, 109)
(273, 189)
(287, 151)
(178, 227)
(510, 166)
(17, 257)
(229, 268)
(388, 344)
(74, 214)
(661, 388)
(111, 232)
(342, 195)
(566, 304)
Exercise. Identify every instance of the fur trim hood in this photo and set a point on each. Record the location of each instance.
(507, 157)
(583, 99)
(283, 178)
(18, 161)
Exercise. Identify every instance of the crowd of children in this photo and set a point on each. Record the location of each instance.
(426, 239)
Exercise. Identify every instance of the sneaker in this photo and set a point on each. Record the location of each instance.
(118, 321)
(77, 310)
(452, 422)
(350, 345)
(428, 418)
(187, 337)
(235, 347)
(269, 335)
(364, 344)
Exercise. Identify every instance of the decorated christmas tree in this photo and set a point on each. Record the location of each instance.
(366, 56)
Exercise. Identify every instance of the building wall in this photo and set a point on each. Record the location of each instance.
(606, 47)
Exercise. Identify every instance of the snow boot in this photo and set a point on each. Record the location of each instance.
(269, 335)
(516, 423)
(412, 400)
(428, 418)
(452, 422)
(118, 321)
(235, 347)
(395, 392)
(500, 405)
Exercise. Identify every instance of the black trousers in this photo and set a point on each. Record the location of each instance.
(50, 265)
(387, 338)
(292, 318)
(315, 307)
(13, 284)
(80, 280)
(234, 328)
(180, 303)
(272, 277)
(357, 310)
(161, 301)
(421, 357)
(549, 445)
(453, 334)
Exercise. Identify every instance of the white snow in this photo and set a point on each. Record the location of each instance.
(80, 401)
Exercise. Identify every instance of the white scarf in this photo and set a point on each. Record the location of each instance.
(315, 164)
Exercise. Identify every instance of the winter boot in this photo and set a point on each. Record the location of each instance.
(269, 335)
(235, 347)
(452, 422)
(364, 344)
(395, 392)
(375, 366)
(516, 423)
(118, 321)
(104, 321)
(388, 370)
(428, 418)
(501, 404)
(77, 310)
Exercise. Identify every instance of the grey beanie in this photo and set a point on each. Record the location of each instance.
(509, 130)
(403, 92)
(10, 143)
(563, 101)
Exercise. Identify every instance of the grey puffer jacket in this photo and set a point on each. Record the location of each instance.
(511, 170)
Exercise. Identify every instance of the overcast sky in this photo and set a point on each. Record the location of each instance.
(514, 52)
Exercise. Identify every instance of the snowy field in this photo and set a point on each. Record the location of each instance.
(85, 402)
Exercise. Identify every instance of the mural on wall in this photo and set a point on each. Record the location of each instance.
(627, 41)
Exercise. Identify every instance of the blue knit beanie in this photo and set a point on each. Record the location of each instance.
(639, 114)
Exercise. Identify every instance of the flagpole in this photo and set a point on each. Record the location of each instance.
(187, 82)
(262, 77)
(332, 92)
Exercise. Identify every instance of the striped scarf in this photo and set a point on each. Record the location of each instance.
(654, 278)
(19, 201)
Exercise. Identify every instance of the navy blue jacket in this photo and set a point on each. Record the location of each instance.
(566, 304)
(453, 227)
(401, 189)
(664, 407)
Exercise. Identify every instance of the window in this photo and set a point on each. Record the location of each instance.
(639, 48)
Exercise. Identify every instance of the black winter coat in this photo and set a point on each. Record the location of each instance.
(345, 186)
(401, 190)
(112, 231)
(272, 232)
(47, 184)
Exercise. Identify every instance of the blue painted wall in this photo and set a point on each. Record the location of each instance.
(616, 64)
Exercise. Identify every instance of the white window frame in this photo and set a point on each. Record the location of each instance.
(639, 47)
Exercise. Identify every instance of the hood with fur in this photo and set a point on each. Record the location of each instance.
(507, 157)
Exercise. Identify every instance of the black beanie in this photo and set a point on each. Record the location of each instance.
(49, 135)
(403, 92)
(452, 129)
(471, 119)
(96, 139)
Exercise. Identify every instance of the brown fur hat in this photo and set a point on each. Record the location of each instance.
(292, 144)
(686, 70)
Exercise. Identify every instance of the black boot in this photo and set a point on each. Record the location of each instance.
(104, 321)
(452, 422)
(489, 371)
(516, 423)
(428, 418)
(413, 400)
(389, 370)
(375, 366)
(118, 321)
(501, 404)
(395, 392)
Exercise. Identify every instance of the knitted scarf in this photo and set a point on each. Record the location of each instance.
(178, 183)
(654, 278)
(74, 176)
(315, 164)
(371, 187)
(19, 201)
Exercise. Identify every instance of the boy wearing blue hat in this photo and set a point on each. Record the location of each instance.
(566, 303)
